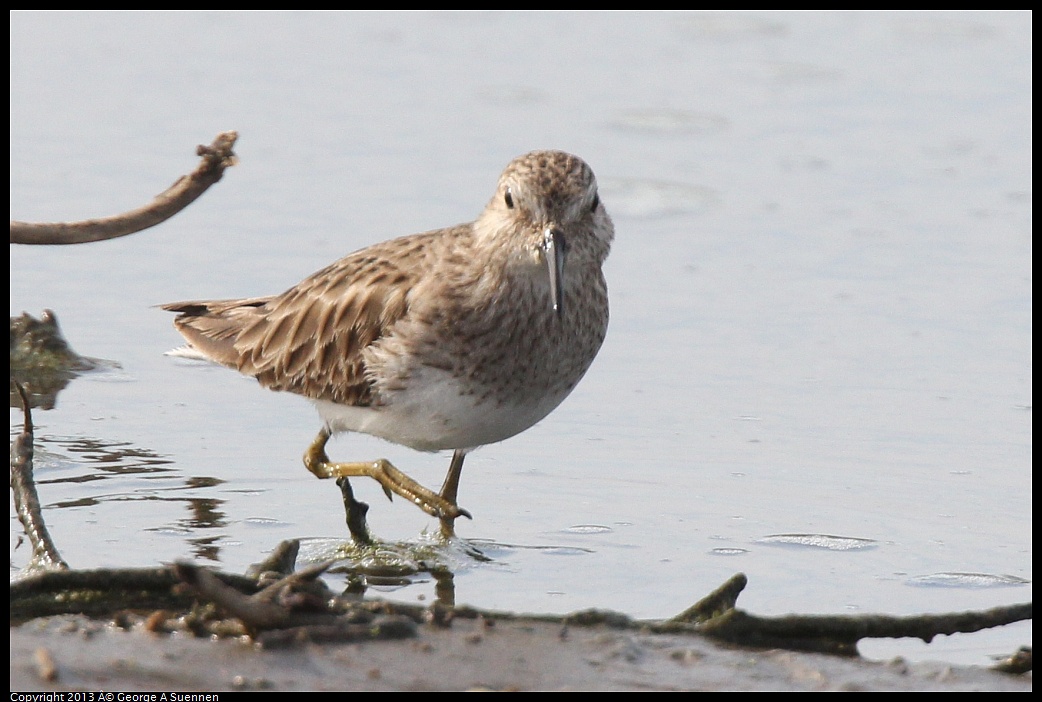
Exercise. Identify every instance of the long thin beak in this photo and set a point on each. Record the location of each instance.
(554, 250)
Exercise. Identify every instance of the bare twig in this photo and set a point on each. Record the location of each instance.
(256, 613)
(27, 502)
(282, 560)
(274, 619)
(215, 158)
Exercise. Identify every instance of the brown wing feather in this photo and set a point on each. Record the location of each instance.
(212, 326)
(310, 339)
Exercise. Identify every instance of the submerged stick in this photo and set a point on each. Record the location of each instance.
(27, 501)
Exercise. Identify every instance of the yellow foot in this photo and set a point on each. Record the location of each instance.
(392, 480)
(450, 489)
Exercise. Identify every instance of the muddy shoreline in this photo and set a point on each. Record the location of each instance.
(74, 653)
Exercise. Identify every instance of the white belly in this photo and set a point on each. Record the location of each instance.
(434, 414)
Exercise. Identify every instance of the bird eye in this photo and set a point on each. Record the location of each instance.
(509, 199)
(596, 202)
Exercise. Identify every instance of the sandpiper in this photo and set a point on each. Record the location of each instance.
(451, 339)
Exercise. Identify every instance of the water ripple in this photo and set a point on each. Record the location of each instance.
(825, 541)
(966, 580)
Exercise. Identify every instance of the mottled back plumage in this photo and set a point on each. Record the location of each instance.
(449, 339)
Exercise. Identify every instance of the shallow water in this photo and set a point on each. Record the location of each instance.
(818, 370)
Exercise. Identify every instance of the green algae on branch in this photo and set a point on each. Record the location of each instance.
(298, 607)
(43, 361)
(38, 347)
(839, 634)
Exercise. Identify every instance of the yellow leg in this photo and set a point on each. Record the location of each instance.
(392, 480)
(449, 490)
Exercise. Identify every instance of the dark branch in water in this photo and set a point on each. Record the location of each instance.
(840, 634)
(27, 502)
